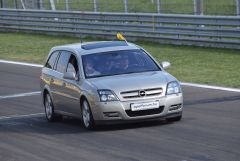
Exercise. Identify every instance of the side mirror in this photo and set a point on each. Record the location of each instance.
(165, 64)
(70, 76)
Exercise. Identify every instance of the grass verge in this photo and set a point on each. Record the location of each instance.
(210, 7)
(189, 64)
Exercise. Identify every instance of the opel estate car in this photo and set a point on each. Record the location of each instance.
(108, 82)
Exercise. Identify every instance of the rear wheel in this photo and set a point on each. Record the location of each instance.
(87, 118)
(49, 109)
(174, 119)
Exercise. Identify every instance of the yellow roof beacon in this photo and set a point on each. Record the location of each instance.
(121, 37)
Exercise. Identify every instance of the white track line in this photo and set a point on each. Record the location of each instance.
(21, 63)
(210, 87)
(20, 95)
(20, 116)
(183, 83)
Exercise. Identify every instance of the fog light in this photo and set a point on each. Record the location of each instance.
(175, 107)
(111, 114)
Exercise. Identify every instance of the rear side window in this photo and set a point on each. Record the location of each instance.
(51, 61)
(63, 61)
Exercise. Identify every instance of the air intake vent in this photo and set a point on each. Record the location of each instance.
(145, 112)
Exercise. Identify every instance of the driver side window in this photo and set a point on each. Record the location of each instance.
(73, 65)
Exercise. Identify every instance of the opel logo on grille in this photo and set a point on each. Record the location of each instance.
(142, 93)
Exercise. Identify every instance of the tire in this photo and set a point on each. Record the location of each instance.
(87, 118)
(49, 108)
(174, 119)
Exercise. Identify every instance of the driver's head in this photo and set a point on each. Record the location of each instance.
(89, 65)
(124, 61)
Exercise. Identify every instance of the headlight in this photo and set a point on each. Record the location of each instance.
(173, 88)
(107, 95)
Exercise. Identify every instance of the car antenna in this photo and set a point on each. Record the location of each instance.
(81, 40)
(121, 37)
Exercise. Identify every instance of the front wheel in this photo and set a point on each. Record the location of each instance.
(87, 118)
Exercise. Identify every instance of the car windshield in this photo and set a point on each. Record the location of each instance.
(117, 62)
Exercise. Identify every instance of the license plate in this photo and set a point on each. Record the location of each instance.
(144, 106)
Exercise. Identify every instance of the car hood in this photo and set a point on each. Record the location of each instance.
(131, 82)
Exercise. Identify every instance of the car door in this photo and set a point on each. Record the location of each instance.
(57, 84)
(71, 88)
(49, 72)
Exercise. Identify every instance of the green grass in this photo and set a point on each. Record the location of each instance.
(190, 64)
(210, 7)
(178, 6)
(219, 7)
(200, 65)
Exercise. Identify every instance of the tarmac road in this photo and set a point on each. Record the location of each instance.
(209, 131)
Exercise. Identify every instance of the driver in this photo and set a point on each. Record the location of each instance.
(89, 69)
(121, 64)
(124, 63)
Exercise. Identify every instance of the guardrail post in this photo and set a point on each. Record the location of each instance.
(67, 5)
(52, 5)
(198, 7)
(95, 5)
(1, 4)
(15, 4)
(238, 7)
(158, 6)
(126, 6)
(23, 5)
(33, 5)
(40, 4)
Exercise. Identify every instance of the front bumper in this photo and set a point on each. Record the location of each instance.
(117, 111)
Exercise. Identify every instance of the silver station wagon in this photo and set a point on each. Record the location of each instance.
(108, 82)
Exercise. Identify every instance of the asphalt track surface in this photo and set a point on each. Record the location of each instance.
(209, 131)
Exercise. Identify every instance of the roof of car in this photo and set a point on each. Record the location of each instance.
(99, 46)
(103, 44)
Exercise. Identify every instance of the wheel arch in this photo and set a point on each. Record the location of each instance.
(82, 98)
(45, 90)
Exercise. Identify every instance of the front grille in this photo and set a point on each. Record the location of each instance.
(135, 93)
(145, 112)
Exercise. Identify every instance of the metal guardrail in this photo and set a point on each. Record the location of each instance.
(209, 31)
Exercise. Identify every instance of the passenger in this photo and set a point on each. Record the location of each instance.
(121, 65)
(72, 65)
(89, 68)
(124, 63)
(107, 66)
